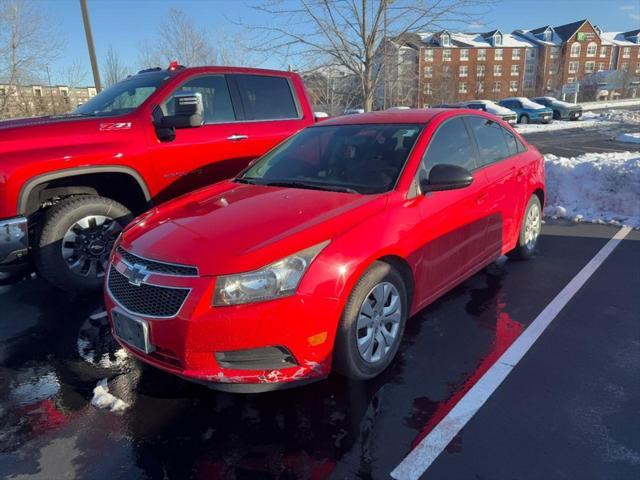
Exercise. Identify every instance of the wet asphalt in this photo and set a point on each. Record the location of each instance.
(570, 410)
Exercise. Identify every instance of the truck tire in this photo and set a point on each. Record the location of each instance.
(72, 247)
(370, 332)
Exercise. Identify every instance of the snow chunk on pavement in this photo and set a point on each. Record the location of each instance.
(595, 187)
(103, 399)
(629, 137)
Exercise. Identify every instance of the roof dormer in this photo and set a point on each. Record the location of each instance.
(546, 35)
(444, 38)
(494, 37)
(632, 36)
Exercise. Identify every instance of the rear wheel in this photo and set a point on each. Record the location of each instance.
(75, 241)
(523, 119)
(529, 231)
(556, 115)
(372, 323)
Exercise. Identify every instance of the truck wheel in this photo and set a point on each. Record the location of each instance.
(372, 323)
(73, 246)
(523, 119)
(529, 231)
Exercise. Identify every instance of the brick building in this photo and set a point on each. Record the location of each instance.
(30, 100)
(453, 66)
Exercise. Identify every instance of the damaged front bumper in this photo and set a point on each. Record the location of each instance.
(14, 244)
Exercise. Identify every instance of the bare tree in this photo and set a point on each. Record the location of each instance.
(27, 45)
(348, 32)
(332, 90)
(113, 69)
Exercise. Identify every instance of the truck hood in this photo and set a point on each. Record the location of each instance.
(232, 227)
(33, 121)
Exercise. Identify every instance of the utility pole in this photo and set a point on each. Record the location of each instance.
(92, 51)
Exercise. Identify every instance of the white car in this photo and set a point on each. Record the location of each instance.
(493, 108)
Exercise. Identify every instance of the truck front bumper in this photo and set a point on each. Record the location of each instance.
(14, 244)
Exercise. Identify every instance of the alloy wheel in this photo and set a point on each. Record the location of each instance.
(532, 226)
(87, 244)
(378, 322)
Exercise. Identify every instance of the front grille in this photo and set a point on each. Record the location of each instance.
(149, 300)
(158, 267)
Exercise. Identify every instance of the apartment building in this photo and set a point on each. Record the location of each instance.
(30, 100)
(453, 66)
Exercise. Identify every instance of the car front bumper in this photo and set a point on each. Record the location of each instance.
(235, 348)
(14, 244)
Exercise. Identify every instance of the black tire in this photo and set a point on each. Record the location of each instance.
(557, 115)
(523, 119)
(49, 260)
(524, 251)
(347, 360)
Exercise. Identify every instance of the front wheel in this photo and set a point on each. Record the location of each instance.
(524, 119)
(73, 246)
(529, 231)
(372, 323)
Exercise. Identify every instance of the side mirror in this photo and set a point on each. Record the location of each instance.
(445, 177)
(188, 112)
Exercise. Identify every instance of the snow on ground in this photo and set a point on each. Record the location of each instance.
(103, 399)
(611, 103)
(588, 120)
(594, 187)
(629, 137)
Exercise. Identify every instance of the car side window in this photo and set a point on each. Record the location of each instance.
(492, 143)
(512, 143)
(215, 98)
(266, 98)
(452, 145)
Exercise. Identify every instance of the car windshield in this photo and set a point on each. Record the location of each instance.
(124, 96)
(349, 158)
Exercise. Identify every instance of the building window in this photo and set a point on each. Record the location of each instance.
(498, 54)
(591, 49)
(554, 53)
(428, 54)
(528, 84)
(464, 54)
(446, 70)
(515, 54)
(571, 80)
(513, 86)
(626, 52)
(624, 67)
(589, 67)
(464, 71)
(446, 55)
(446, 40)
(601, 67)
(497, 39)
(549, 84)
(515, 70)
(496, 87)
(427, 89)
(462, 87)
(603, 50)
(482, 55)
(497, 70)
(530, 68)
(547, 35)
(573, 67)
(428, 71)
(638, 68)
(480, 70)
(532, 52)
(37, 92)
(480, 87)
(575, 49)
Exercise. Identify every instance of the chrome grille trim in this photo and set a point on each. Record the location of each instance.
(158, 267)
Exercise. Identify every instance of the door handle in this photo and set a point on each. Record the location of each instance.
(235, 137)
(481, 198)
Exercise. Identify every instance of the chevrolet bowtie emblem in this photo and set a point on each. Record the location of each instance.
(136, 274)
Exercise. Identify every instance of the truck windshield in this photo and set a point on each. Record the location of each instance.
(124, 96)
(348, 158)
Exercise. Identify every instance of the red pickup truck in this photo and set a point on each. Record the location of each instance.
(69, 183)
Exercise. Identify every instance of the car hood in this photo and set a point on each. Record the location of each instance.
(232, 227)
(499, 110)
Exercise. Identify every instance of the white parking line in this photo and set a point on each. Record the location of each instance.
(430, 447)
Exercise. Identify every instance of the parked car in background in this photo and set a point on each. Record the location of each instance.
(318, 253)
(493, 108)
(69, 183)
(399, 108)
(527, 110)
(445, 105)
(353, 111)
(561, 110)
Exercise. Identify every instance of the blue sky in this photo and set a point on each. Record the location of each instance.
(127, 24)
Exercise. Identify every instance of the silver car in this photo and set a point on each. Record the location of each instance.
(561, 110)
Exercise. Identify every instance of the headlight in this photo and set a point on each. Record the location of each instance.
(273, 281)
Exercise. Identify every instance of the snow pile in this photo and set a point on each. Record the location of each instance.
(103, 399)
(629, 137)
(595, 187)
(622, 116)
(588, 120)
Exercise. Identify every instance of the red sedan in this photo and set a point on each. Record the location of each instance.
(317, 254)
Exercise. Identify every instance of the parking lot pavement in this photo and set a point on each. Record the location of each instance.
(570, 406)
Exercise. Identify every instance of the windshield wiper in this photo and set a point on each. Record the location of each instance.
(310, 185)
(248, 180)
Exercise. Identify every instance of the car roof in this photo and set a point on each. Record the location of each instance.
(414, 115)
(515, 98)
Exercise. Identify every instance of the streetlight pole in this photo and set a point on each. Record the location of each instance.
(92, 51)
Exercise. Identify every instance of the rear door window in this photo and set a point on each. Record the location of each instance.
(452, 145)
(215, 98)
(490, 138)
(512, 142)
(266, 98)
